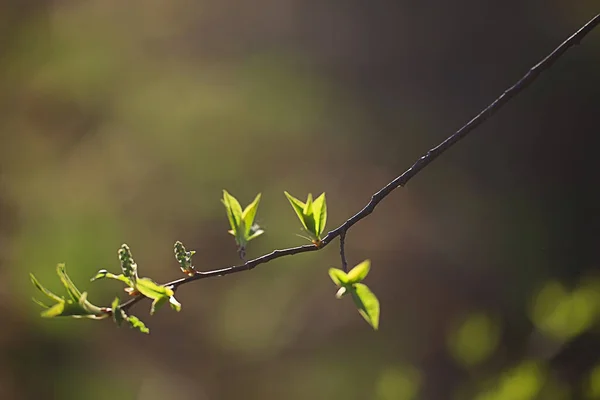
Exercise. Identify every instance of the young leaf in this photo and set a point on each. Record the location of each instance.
(74, 293)
(102, 274)
(255, 232)
(45, 291)
(117, 313)
(76, 306)
(338, 276)
(320, 214)
(158, 303)
(359, 272)
(234, 212)
(248, 216)
(158, 293)
(151, 289)
(136, 323)
(298, 207)
(367, 304)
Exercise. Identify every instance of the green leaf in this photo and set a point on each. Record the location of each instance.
(298, 207)
(104, 274)
(118, 314)
(234, 212)
(158, 303)
(367, 304)
(152, 290)
(128, 266)
(76, 306)
(136, 323)
(45, 291)
(74, 293)
(359, 272)
(55, 311)
(249, 214)
(158, 293)
(175, 305)
(308, 210)
(255, 232)
(338, 276)
(320, 214)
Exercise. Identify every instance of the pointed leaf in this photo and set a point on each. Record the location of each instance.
(249, 214)
(175, 305)
(358, 273)
(152, 290)
(42, 289)
(338, 276)
(367, 304)
(54, 311)
(158, 303)
(74, 293)
(118, 314)
(298, 207)
(136, 323)
(320, 214)
(256, 234)
(234, 212)
(102, 274)
(308, 210)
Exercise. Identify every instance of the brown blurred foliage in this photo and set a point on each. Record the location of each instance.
(123, 121)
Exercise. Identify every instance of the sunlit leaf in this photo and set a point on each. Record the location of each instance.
(254, 234)
(338, 276)
(151, 289)
(367, 304)
(136, 323)
(117, 313)
(175, 305)
(320, 214)
(104, 274)
(234, 212)
(45, 291)
(248, 216)
(298, 207)
(359, 272)
(158, 303)
(74, 293)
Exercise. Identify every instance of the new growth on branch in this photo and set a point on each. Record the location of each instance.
(312, 215)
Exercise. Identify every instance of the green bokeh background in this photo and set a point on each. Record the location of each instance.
(121, 122)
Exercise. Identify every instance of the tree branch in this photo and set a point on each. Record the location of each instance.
(401, 180)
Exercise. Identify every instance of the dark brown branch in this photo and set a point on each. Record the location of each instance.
(401, 180)
(343, 251)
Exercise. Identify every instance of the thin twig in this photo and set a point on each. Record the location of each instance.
(343, 251)
(401, 180)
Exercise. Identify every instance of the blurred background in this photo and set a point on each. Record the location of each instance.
(121, 122)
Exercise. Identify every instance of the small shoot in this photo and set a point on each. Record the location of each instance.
(366, 302)
(312, 215)
(145, 286)
(184, 258)
(119, 316)
(243, 227)
(76, 305)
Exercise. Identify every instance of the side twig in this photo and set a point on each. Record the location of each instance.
(401, 180)
(343, 251)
